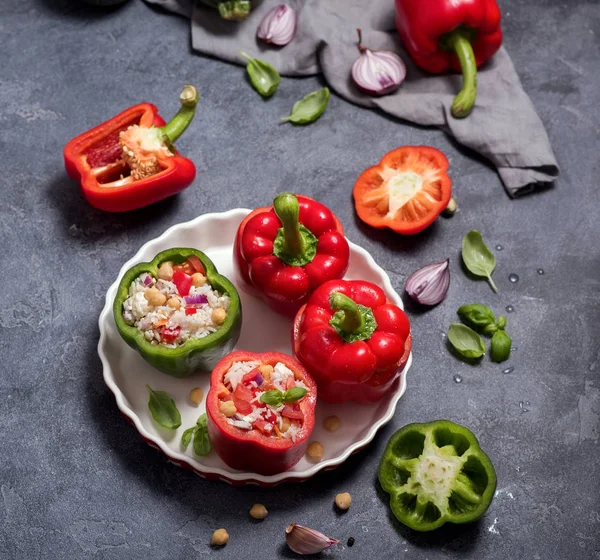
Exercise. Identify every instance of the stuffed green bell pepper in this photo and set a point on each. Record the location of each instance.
(436, 473)
(178, 312)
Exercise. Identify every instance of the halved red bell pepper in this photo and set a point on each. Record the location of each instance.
(253, 450)
(352, 340)
(129, 162)
(284, 252)
(451, 34)
(406, 191)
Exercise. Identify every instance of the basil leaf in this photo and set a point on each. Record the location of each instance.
(273, 398)
(466, 341)
(263, 77)
(501, 322)
(476, 315)
(201, 439)
(477, 257)
(163, 409)
(490, 329)
(309, 108)
(294, 394)
(500, 347)
(186, 438)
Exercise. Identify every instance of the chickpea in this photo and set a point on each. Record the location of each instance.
(165, 272)
(266, 371)
(196, 395)
(258, 511)
(343, 501)
(285, 424)
(219, 538)
(331, 423)
(198, 279)
(219, 315)
(174, 303)
(155, 297)
(315, 451)
(227, 408)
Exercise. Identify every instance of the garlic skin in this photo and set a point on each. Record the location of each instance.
(429, 285)
(377, 72)
(303, 540)
(278, 27)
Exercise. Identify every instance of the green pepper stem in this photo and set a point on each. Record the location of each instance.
(460, 42)
(288, 211)
(234, 10)
(353, 320)
(176, 126)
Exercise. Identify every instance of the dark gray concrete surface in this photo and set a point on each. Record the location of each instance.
(78, 482)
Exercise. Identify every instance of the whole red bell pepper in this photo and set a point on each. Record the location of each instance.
(284, 252)
(253, 450)
(129, 162)
(451, 34)
(352, 340)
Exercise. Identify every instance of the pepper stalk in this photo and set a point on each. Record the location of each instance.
(351, 321)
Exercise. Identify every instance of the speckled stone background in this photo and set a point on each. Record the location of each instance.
(78, 482)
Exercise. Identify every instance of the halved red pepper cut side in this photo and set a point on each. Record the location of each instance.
(254, 450)
(406, 191)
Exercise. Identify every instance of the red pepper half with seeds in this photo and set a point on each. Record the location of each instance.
(352, 340)
(284, 252)
(260, 411)
(129, 161)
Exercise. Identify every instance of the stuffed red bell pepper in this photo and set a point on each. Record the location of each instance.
(451, 34)
(284, 252)
(352, 340)
(260, 411)
(129, 161)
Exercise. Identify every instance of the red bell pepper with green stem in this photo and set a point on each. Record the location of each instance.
(352, 340)
(451, 34)
(129, 162)
(284, 252)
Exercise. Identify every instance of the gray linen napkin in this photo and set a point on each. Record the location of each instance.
(503, 126)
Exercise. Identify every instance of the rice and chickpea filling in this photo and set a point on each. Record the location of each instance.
(156, 307)
(240, 399)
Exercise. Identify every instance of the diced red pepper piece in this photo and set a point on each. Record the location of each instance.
(222, 391)
(263, 426)
(292, 411)
(183, 282)
(168, 334)
(270, 416)
(196, 264)
(250, 376)
(290, 382)
(190, 310)
(241, 398)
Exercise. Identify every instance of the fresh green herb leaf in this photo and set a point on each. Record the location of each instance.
(466, 341)
(186, 438)
(477, 257)
(501, 322)
(309, 108)
(500, 347)
(201, 439)
(490, 329)
(477, 316)
(294, 394)
(273, 398)
(263, 77)
(163, 409)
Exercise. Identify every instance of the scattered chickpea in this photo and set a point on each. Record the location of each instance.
(331, 423)
(174, 303)
(285, 424)
(165, 272)
(198, 279)
(219, 315)
(266, 371)
(227, 408)
(219, 538)
(258, 511)
(343, 501)
(155, 297)
(196, 395)
(315, 451)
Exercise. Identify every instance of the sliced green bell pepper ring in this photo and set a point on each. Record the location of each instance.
(436, 473)
(196, 354)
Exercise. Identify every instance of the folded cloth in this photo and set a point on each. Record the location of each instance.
(503, 127)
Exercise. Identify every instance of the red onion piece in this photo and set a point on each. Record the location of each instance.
(147, 280)
(196, 299)
(278, 27)
(429, 285)
(377, 72)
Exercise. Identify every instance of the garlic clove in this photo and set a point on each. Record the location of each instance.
(429, 285)
(303, 540)
(278, 27)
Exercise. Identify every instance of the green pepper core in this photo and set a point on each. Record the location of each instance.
(196, 354)
(352, 321)
(436, 473)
